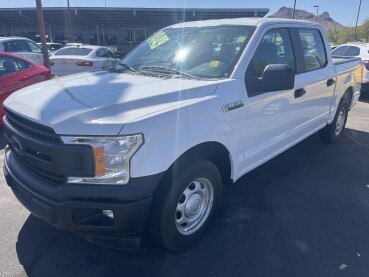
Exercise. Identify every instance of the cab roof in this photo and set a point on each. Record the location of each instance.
(243, 21)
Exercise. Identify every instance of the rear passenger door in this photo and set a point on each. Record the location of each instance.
(315, 78)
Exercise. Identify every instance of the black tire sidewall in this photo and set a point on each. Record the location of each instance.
(343, 105)
(170, 236)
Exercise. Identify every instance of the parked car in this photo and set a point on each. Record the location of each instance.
(16, 73)
(76, 59)
(150, 143)
(22, 47)
(356, 49)
(52, 47)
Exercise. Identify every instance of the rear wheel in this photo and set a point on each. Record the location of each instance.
(333, 131)
(184, 205)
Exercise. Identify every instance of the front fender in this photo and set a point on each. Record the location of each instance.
(168, 135)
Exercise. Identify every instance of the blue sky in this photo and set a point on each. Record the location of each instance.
(343, 11)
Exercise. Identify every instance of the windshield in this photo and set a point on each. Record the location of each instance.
(206, 52)
(74, 51)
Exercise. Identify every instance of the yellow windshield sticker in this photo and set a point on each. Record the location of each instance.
(214, 63)
(157, 39)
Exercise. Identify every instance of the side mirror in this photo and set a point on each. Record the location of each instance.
(278, 77)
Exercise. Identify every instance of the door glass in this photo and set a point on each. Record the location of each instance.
(353, 51)
(8, 66)
(34, 47)
(313, 48)
(9, 46)
(111, 55)
(102, 53)
(340, 51)
(22, 46)
(275, 48)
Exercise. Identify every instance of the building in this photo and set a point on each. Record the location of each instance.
(123, 27)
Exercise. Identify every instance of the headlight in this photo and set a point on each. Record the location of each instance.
(112, 157)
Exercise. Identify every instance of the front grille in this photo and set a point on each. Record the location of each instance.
(32, 129)
(40, 133)
(40, 151)
(43, 174)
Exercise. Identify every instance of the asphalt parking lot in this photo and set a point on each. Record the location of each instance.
(304, 213)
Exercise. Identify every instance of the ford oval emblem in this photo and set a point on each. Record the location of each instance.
(16, 144)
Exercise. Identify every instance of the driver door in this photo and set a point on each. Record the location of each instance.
(270, 118)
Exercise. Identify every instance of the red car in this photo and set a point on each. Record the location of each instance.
(17, 73)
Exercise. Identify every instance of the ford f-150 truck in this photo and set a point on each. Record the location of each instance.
(149, 144)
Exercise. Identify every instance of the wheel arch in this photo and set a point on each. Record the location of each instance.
(212, 151)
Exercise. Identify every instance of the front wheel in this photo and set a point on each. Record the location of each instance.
(184, 205)
(332, 132)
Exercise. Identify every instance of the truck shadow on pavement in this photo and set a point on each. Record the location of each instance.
(2, 138)
(304, 213)
(364, 97)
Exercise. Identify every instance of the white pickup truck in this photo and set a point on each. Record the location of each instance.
(149, 144)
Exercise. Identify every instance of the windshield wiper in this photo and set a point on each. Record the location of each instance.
(169, 70)
(127, 67)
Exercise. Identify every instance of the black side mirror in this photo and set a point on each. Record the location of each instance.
(278, 77)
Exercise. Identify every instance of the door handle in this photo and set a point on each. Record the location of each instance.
(299, 92)
(330, 82)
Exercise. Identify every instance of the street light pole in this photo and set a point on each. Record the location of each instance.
(357, 19)
(41, 26)
(317, 12)
(294, 9)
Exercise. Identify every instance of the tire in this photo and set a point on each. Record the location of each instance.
(332, 132)
(184, 204)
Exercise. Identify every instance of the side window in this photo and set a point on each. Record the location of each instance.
(275, 48)
(340, 51)
(34, 47)
(102, 53)
(353, 51)
(22, 64)
(111, 55)
(22, 46)
(8, 66)
(9, 46)
(313, 48)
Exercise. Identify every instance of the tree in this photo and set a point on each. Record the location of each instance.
(333, 36)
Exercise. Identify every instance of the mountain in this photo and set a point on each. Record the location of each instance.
(324, 18)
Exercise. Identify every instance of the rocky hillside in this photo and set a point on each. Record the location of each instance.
(324, 18)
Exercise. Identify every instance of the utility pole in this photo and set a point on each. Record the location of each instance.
(294, 9)
(317, 12)
(357, 19)
(41, 26)
(70, 35)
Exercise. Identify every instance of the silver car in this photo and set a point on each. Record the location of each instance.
(22, 47)
(356, 49)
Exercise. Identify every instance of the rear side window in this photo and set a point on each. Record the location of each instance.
(340, 51)
(16, 46)
(353, 51)
(9, 65)
(73, 51)
(313, 48)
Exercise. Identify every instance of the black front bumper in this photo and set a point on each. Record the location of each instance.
(78, 208)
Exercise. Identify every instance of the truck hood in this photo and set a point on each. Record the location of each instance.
(101, 103)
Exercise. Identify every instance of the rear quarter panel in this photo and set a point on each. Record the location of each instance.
(349, 76)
